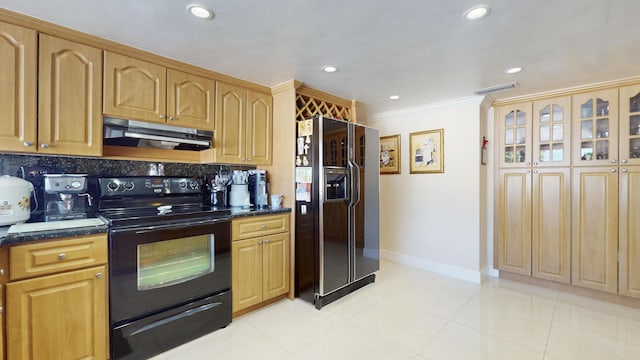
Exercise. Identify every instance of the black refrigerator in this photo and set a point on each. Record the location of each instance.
(337, 221)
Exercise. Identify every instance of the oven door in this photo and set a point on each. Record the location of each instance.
(154, 268)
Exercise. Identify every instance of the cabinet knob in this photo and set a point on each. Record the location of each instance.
(161, 116)
(528, 163)
(624, 161)
(535, 171)
(1, 272)
(613, 170)
(535, 163)
(259, 242)
(613, 161)
(528, 171)
(266, 241)
(62, 256)
(44, 146)
(171, 118)
(264, 226)
(27, 143)
(1, 309)
(99, 276)
(624, 170)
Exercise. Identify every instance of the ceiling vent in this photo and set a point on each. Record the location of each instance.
(496, 88)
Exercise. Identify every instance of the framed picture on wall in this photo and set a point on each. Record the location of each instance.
(426, 152)
(390, 154)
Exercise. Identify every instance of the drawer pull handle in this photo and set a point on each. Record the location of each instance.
(264, 226)
(99, 276)
(62, 256)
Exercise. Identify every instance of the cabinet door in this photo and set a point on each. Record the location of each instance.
(18, 88)
(552, 132)
(595, 135)
(514, 135)
(134, 89)
(230, 134)
(551, 225)
(630, 125)
(595, 228)
(69, 96)
(275, 274)
(60, 316)
(259, 128)
(630, 231)
(189, 100)
(514, 221)
(246, 274)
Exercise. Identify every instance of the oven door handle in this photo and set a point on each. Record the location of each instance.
(152, 228)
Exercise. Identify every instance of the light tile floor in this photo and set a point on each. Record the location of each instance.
(416, 315)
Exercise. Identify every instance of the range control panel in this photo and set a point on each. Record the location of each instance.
(148, 185)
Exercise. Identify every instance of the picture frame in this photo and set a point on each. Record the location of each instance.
(426, 152)
(390, 154)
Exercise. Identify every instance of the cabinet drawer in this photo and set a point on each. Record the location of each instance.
(259, 226)
(44, 258)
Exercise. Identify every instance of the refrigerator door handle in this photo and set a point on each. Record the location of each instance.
(355, 180)
(351, 201)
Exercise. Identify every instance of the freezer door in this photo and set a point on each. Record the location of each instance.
(366, 200)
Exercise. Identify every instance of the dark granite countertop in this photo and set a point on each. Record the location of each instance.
(7, 238)
(236, 212)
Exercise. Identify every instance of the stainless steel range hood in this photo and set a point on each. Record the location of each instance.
(133, 133)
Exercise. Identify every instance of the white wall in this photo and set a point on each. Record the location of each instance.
(433, 221)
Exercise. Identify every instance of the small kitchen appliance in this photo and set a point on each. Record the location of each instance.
(15, 200)
(258, 194)
(66, 197)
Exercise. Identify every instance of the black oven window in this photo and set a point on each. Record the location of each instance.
(169, 262)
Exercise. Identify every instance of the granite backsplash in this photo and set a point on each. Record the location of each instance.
(10, 165)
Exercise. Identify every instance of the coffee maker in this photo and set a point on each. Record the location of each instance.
(66, 197)
(258, 192)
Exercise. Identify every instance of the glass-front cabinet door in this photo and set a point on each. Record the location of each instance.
(552, 132)
(514, 124)
(595, 116)
(630, 125)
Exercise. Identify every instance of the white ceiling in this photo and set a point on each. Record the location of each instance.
(422, 50)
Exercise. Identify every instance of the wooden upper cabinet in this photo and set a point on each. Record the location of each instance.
(134, 89)
(230, 140)
(552, 132)
(18, 88)
(514, 135)
(244, 125)
(259, 128)
(595, 135)
(630, 125)
(189, 100)
(69, 89)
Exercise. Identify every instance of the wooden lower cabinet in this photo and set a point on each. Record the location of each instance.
(551, 225)
(514, 224)
(61, 316)
(595, 228)
(629, 231)
(260, 259)
(260, 269)
(56, 299)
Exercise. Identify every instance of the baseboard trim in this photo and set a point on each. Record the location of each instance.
(452, 271)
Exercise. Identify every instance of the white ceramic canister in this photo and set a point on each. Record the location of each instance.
(239, 195)
(15, 200)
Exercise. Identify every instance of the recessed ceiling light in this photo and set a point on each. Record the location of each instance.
(200, 11)
(394, 97)
(477, 12)
(329, 68)
(513, 70)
